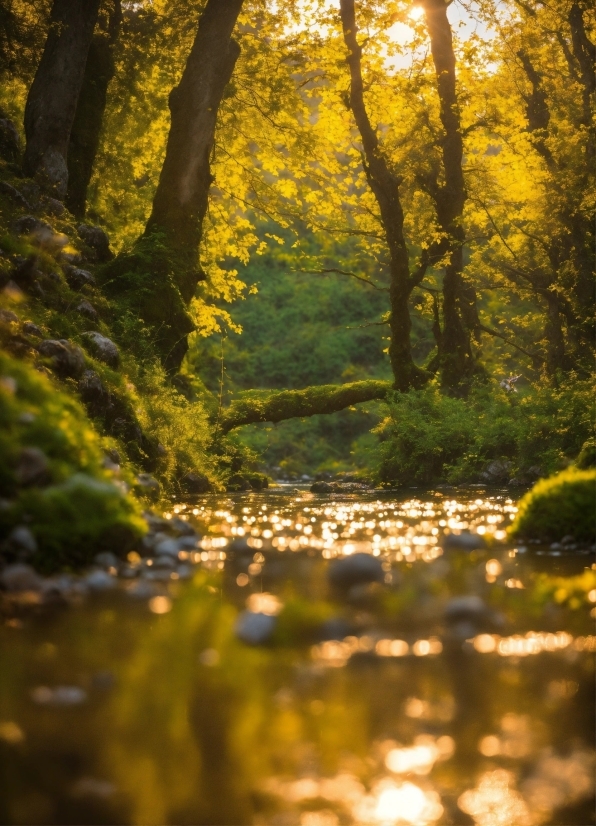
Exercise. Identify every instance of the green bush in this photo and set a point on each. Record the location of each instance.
(562, 505)
(429, 437)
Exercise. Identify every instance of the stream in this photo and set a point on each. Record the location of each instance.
(267, 680)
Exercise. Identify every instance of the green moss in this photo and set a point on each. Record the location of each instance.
(289, 404)
(76, 507)
(562, 505)
(77, 519)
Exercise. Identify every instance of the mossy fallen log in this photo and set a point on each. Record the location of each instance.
(292, 404)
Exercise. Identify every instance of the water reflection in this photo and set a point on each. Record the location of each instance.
(457, 684)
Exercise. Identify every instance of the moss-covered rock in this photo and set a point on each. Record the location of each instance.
(563, 505)
(52, 474)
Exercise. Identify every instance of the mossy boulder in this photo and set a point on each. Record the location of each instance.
(52, 475)
(77, 519)
(562, 505)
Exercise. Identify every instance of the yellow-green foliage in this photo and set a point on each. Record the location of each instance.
(77, 508)
(563, 505)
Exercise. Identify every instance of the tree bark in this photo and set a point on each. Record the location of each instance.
(88, 120)
(52, 99)
(157, 280)
(457, 363)
(181, 199)
(291, 404)
(384, 184)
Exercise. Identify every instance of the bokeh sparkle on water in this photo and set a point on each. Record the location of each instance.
(459, 687)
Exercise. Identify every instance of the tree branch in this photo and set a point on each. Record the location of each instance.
(291, 404)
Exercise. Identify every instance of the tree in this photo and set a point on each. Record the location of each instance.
(385, 183)
(541, 219)
(166, 273)
(88, 120)
(455, 358)
(54, 93)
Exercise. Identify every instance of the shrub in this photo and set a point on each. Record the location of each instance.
(429, 437)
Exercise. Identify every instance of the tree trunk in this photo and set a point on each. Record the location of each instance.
(86, 128)
(181, 198)
(158, 279)
(384, 184)
(291, 404)
(459, 299)
(52, 100)
(556, 359)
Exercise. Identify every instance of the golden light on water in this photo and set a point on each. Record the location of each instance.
(160, 605)
(496, 802)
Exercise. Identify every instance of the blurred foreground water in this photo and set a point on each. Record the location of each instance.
(454, 687)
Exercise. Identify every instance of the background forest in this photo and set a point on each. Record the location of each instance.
(310, 206)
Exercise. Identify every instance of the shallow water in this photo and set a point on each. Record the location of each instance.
(389, 704)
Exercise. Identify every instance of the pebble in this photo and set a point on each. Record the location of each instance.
(106, 560)
(255, 629)
(465, 541)
(20, 577)
(98, 581)
(22, 540)
(103, 348)
(63, 696)
(67, 359)
(164, 561)
(32, 467)
(357, 569)
(167, 547)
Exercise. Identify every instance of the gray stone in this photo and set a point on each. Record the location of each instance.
(141, 589)
(498, 471)
(181, 527)
(195, 483)
(164, 561)
(62, 696)
(167, 547)
(95, 238)
(321, 487)
(106, 560)
(32, 467)
(98, 581)
(148, 486)
(87, 309)
(26, 417)
(189, 543)
(357, 569)
(31, 329)
(13, 193)
(103, 348)
(67, 359)
(469, 607)
(465, 541)
(184, 571)
(8, 317)
(54, 206)
(255, 629)
(93, 392)
(78, 278)
(22, 541)
(19, 577)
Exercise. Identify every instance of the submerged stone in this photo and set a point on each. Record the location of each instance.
(255, 628)
(357, 569)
